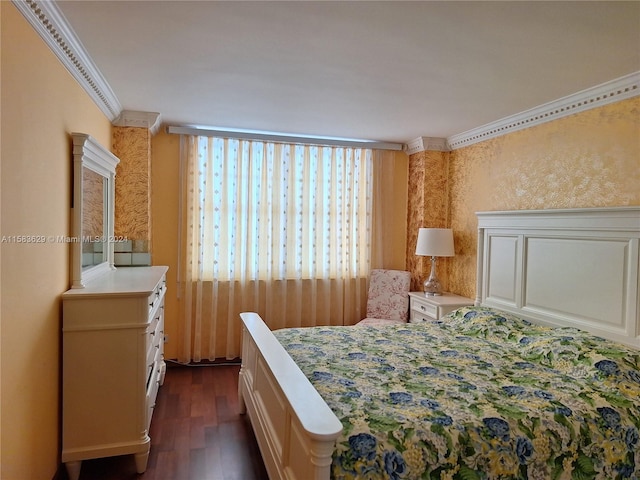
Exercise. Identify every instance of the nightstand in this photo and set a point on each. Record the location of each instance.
(428, 309)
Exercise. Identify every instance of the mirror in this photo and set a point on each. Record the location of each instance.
(93, 218)
(93, 198)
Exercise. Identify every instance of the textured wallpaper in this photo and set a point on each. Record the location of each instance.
(133, 186)
(590, 159)
(427, 208)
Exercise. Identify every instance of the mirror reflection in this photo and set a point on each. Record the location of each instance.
(93, 218)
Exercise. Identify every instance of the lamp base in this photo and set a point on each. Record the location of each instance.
(432, 287)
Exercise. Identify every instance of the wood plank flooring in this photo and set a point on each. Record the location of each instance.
(196, 432)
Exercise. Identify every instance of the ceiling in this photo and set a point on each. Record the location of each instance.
(386, 70)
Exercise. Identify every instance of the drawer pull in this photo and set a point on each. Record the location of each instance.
(422, 308)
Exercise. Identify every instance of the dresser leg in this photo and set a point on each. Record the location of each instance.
(241, 403)
(73, 469)
(141, 461)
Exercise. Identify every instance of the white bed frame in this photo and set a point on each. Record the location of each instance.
(577, 268)
(294, 427)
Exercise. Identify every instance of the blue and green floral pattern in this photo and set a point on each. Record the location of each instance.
(479, 395)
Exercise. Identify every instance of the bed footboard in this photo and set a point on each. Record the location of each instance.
(294, 427)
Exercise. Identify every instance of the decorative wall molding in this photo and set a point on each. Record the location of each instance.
(421, 144)
(130, 118)
(54, 29)
(45, 17)
(609, 92)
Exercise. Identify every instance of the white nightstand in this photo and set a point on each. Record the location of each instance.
(428, 309)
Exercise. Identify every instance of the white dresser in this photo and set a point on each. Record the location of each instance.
(112, 365)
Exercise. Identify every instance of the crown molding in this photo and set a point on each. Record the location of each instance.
(131, 118)
(603, 94)
(421, 144)
(45, 17)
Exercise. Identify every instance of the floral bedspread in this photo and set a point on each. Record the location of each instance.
(479, 395)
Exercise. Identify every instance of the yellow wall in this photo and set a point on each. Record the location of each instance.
(590, 159)
(393, 188)
(165, 175)
(41, 105)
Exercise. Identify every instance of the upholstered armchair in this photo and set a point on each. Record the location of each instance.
(387, 298)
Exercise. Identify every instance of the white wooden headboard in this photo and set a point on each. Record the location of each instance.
(572, 267)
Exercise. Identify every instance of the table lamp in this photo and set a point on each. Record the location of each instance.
(434, 243)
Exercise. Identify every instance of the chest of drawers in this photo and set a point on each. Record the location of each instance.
(112, 365)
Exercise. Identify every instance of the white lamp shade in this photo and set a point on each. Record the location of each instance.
(435, 242)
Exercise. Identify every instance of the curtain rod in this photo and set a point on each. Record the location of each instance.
(205, 132)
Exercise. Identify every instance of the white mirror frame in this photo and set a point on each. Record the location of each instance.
(88, 153)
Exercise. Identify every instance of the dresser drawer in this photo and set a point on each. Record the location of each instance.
(154, 354)
(419, 309)
(157, 294)
(154, 338)
(417, 317)
(153, 384)
(428, 309)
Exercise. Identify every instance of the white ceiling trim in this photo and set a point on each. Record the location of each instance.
(50, 23)
(421, 144)
(603, 94)
(132, 118)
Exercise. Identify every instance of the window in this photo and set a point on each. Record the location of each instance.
(272, 211)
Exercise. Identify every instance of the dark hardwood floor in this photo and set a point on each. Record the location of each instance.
(196, 432)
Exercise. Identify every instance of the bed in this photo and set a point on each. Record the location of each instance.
(540, 380)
